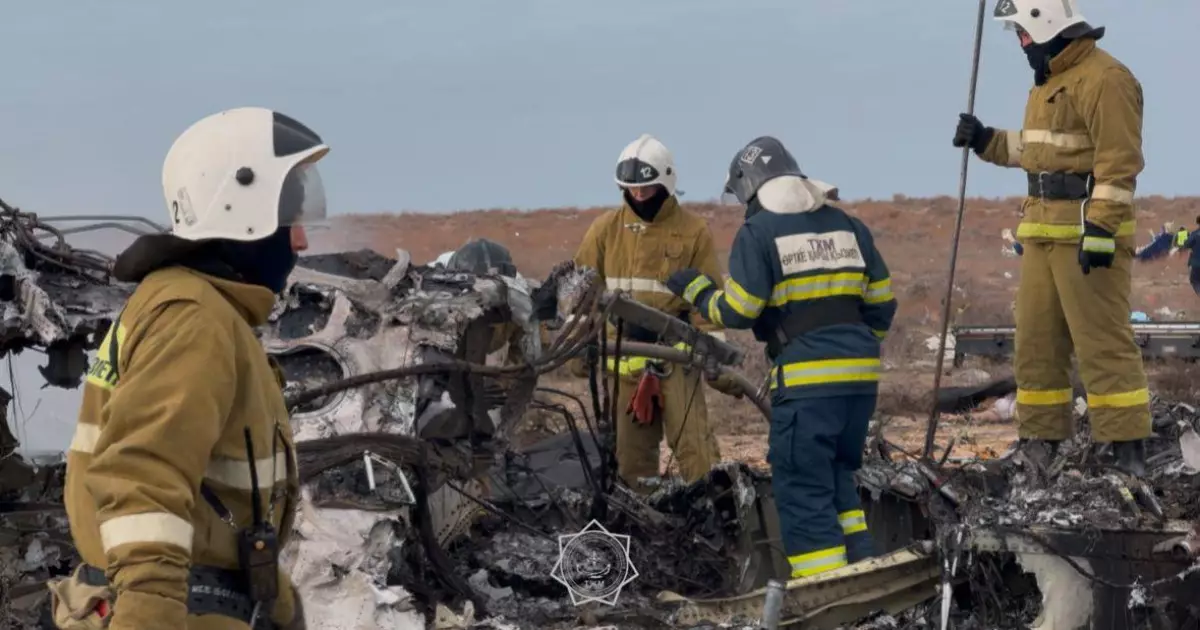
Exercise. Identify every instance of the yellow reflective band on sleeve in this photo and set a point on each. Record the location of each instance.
(1099, 244)
(1016, 146)
(879, 292)
(646, 285)
(1123, 399)
(1065, 232)
(148, 527)
(853, 522)
(101, 373)
(628, 366)
(740, 300)
(694, 288)
(85, 438)
(235, 473)
(827, 371)
(1044, 397)
(1108, 192)
(806, 564)
(714, 308)
(880, 334)
(1056, 139)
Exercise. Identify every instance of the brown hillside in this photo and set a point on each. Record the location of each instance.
(914, 235)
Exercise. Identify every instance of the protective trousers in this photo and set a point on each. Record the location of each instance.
(1057, 305)
(1194, 278)
(816, 445)
(684, 418)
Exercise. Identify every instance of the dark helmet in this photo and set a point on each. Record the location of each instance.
(482, 256)
(762, 160)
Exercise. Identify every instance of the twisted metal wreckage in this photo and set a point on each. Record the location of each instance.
(426, 502)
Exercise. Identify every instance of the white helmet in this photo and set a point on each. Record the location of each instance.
(241, 174)
(646, 162)
(1042, 19)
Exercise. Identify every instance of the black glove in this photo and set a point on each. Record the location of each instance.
(679, 282)
(972, 133)
(1096, 248)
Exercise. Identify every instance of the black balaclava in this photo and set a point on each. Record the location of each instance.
(647, 210)
(1039, 56)
(266, 262)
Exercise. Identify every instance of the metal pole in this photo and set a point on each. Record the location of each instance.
(931, 430)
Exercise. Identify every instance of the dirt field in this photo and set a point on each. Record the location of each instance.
(915, 237)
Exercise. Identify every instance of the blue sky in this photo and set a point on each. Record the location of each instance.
(437, 106)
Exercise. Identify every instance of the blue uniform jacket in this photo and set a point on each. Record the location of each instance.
(782, 262)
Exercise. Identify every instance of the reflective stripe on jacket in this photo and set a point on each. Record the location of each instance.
(1086, 118)
(635, 256)
(189, 377)
(785, 262)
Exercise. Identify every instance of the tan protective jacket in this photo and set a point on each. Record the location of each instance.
(190, 376)
(638, 257)
(1087, 118)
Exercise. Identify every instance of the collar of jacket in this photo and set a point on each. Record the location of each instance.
(253, 302)
(790, 194)
(1072, 55)
(669, 209)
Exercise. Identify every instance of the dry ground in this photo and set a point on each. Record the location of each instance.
(915, 238)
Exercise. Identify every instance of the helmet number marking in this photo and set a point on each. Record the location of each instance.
(647, 172)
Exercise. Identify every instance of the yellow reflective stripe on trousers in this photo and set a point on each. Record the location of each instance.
(148, 527)
(740, 300)
(806, 564)
(819, 286)
(649, 285)
(827, 371)
(694, 288)
(879, 292)
(1066, 231)
(853, 522)
(1123, 399)
(880, 334)
(1044, 396)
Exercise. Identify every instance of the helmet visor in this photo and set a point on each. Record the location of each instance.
(728, 198)
(634, 172)
(302, 200)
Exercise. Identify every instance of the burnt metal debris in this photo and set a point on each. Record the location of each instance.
(429, 501)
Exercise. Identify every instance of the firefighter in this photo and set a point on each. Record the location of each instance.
(1081, 146)
(807, 279)
(635, 248)
(158, 487)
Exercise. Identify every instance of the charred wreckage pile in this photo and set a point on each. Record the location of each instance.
(426, 504)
